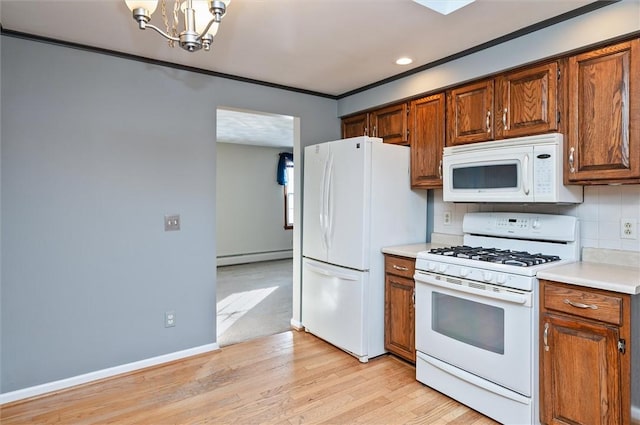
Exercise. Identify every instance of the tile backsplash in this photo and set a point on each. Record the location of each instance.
(600, 215)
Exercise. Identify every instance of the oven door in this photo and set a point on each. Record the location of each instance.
(483, 329)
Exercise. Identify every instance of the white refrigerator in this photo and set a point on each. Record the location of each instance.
(356, 200)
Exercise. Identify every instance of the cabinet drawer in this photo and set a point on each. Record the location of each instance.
(399, 266)
(584, 303)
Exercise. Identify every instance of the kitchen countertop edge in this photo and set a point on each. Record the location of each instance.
(409, 251)
(438, 240)
(620, 279)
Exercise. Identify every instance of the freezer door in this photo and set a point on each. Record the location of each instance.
(314, 219)
(333, 305)
(348, 200)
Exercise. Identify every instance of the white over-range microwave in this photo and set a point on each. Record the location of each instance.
(524, 169)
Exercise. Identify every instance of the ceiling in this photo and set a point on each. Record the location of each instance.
(325, 46)
(254, 128)
(328, 47)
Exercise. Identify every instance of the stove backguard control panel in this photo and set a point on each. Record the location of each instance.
(559, 228)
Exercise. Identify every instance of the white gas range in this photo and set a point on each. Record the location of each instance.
(477, 310)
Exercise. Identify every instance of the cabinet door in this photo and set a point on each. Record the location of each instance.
(357, 125)
(604, 115)
(399, 332)
(579, 373)
(426, 129)
(470, 113)
(390, 124)
(527, 103)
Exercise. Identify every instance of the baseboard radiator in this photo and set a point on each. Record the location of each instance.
(254, 257)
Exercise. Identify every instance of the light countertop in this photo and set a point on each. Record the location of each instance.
(617, 278)
(409, 251)
(592, 274)
(438, 240)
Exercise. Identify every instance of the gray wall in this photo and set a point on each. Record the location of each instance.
(250, 203)
(95, 151)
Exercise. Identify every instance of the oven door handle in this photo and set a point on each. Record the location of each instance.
(515, 298)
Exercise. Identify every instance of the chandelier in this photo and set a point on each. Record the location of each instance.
(201, 19)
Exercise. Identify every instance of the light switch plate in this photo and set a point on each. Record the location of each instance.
(171, 222)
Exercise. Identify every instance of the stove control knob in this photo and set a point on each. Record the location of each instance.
(442, 268)
(487, 276)
(431, 266)
(536, 224)
(464, 272)
(502, 278)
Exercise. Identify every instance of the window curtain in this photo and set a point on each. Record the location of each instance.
(285, 157)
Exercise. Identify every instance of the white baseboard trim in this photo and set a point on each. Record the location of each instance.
(101, 374)
(635, 413)
(296, 325)
(254, 257)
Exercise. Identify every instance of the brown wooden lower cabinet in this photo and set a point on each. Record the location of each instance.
(399, 311)
(585, 358)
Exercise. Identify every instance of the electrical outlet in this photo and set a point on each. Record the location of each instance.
(628, 228)
(447, 218)
(171, 222)
(169, 319)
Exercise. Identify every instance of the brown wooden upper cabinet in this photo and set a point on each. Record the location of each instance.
(426, 126)
(388, 123)
(527, 101)
(518, 103)
(603, 132)
(354, 126)
(470, 113)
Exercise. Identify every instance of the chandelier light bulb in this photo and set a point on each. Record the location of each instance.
(149, 5)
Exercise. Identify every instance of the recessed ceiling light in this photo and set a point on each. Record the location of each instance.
(444, 6)
(404, 61)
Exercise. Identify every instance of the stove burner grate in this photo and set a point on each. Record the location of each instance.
(495, 255)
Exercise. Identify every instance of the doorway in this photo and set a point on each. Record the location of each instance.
(255, 243)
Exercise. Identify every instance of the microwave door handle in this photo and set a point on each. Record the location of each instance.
(525, 174)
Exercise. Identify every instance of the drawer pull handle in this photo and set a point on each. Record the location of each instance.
(580, 305)
(401, 268)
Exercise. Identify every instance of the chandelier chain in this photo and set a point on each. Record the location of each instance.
(165, 19)
(176, 9)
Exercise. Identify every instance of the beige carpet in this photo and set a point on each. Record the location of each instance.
(253, 300)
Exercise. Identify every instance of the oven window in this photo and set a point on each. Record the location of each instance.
(470, 322)
(486, 177)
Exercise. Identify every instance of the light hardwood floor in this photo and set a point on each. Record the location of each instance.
(288, 378)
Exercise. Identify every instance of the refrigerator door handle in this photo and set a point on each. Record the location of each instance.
(323, 204)
(330, 209)
(330, 273)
